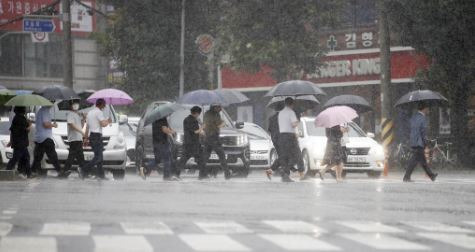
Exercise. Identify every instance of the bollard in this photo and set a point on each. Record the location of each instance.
(387, 138)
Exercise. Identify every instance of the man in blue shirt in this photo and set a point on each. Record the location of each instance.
(418, 142)
(44, 142)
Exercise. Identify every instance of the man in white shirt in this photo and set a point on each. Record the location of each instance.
(95, 122)
(288, 139)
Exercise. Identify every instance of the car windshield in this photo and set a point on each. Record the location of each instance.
(312, 130)
(176, 119)
(4, 128)
(255, 132)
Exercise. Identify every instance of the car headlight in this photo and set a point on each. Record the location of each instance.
(242, 140)
(118, 142)
(377, 151)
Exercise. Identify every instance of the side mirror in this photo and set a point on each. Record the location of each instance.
(123, 119)
(239, 125)
(370, 135)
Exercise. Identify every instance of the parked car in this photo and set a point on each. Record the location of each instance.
(115, 152)
(263, 153)
(235, 142)
(6, 153)
(364, 154)
(130, 133)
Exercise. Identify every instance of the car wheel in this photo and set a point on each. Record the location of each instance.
(374, 174)
(273, 157)
(118, 174)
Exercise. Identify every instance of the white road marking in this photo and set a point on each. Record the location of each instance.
(145, 228)
(298, 242)
(5, 217)
(66, 228)
(9, 212)
(5, 228)
(458, 240)
(212, 242)
(28, 244)
(223, 227)
(370, 226)
(383, 241)
(436, 227)
(470, 222)
(290, 226)
(119, 243)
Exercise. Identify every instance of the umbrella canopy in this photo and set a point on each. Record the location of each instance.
(334, 116)
(6, 95)
(231, 96)
(161, 111)
(201, 97)
(111, 96)
(57, 92)
(2, 87)
(428, 96)
(354, 101)
(28, 100)
(305, 101)
(295, 88)
(23, 92)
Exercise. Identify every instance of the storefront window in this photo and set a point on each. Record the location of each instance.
(20, 57)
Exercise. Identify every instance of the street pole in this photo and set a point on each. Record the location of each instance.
(68, 47)
(386, 106)
(182, 50)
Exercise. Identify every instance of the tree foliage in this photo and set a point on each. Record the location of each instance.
(443, 29)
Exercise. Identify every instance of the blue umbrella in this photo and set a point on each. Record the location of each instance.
(160, 112)
(202, 97)
(231, 96)
(23, 92)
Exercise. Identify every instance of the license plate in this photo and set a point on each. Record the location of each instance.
(258, 157)
(214, 156)
(356, 159)
(88, 157)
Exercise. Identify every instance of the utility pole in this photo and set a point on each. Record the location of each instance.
(386, 106)
(68, 47)
(182, 50)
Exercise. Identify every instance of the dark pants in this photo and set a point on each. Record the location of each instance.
(213, 143)
(165, 156)
(95, 140)
(188, 152)
(76, 153)
(275, 166)
(48, 147)
(290, 153)
(22, 157)
(418, 157)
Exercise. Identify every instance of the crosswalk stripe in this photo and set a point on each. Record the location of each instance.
(383, 241)
(66, 228)
(298, 242)
(28, 244)
(370, 226)
(224, 227)
(5, 228)
(470, 222)
(212, 242)
(145, 228)
(436, 227)
(459, 240)
(121, 243)
(290, 226)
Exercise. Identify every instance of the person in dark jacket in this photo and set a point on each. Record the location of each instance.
(19, 142)
(418, 142)
(162, 141)
(334, 153)
(191, 141)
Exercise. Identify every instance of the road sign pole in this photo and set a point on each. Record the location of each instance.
(68, 47)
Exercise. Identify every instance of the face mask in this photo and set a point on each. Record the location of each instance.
(75, 106)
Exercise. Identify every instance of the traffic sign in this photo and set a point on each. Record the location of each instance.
(38, 25)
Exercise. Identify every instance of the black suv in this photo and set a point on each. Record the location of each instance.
(235, 142)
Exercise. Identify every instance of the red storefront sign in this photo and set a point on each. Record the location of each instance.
(81, 21)
(340, 68)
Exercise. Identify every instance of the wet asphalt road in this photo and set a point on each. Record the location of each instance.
(251, 214)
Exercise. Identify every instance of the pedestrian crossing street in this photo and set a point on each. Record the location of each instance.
(265, 235)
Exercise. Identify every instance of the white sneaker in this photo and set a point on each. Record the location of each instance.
(142, 173)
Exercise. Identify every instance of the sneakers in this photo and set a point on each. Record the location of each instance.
(269, 173)
(142, 173)
(434, 176)
(64, 174)
(227, 175)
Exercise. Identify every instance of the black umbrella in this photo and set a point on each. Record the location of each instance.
(231, 96)
(57, 92)
(201, 97)
(304, 101)
(295, 88)
(428, 96)
(161, 111)
(356, 102)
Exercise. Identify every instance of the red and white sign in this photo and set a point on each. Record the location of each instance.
(340, 68)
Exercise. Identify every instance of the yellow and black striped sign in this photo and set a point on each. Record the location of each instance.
(387, 136)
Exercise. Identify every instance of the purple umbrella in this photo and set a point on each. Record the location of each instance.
(111, 96)
(334, 116)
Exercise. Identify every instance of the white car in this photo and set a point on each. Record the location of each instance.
(129, 130)
(364, 154)
(115, 152)
(6, 153)
(263, 153)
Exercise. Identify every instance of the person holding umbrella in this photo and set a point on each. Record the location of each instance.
(75, 138)
(418, 142)
(191, 141)
(274, 131)
(212, 125)
(162, 135)
(95, 122)
(19, 142)
(287, 138)
(334, 152)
